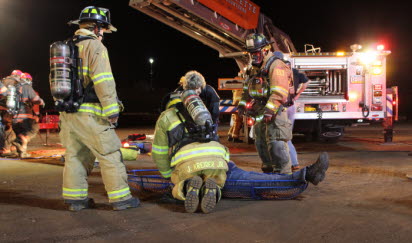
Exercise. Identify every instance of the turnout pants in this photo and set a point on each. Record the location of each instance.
(271, 143)
(184, 171)
(8, 135)
(87, 137)
(237, 125)
(28, 128)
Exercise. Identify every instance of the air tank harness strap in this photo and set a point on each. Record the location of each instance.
(89, 95)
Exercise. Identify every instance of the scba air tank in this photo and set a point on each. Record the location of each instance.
(11, 98)
(60, 71)
(197, 110)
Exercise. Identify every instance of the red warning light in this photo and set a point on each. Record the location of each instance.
(380, 47)
(250, 121)
(377, 87)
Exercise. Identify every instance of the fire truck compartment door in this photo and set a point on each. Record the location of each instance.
(316, 63)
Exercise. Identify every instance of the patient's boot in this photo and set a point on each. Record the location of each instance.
(315, 173)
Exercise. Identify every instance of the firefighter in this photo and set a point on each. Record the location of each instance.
(89, 133)
(208, 95)
(300, 83)
(185, 149)
(266, 92)
(25, 121)
(7, 135)
(21, 123)
(234, 130)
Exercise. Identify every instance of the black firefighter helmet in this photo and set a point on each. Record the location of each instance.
(255, 42)
(95, 14)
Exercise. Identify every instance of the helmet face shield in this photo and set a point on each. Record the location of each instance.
(257, 58)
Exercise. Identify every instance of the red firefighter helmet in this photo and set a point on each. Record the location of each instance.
(26, 76)
(16, 72)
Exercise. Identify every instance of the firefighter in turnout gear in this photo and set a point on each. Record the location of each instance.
(185, 149)
(89, 132)
(233, 134)
(25, 121)
(7, 135)
(20, 100)
(265, 93)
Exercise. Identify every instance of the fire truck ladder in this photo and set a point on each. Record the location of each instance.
(207, 26)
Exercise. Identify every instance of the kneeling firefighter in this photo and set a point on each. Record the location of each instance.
(266, 92)
(84, 89)
(185, 149)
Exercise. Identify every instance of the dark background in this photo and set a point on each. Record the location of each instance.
(28, 28)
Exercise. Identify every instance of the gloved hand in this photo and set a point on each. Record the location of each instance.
(289, 103)
(267, 118)
(114, 120)
(42, 104)
(268, 115)
(120, 104)
(241, 111)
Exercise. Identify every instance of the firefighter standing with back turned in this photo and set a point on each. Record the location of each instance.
(267, 91)
(88, 133)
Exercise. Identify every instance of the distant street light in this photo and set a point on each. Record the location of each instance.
(151, 61)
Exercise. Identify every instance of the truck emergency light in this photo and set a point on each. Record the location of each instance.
(380, 47)
(353, 95)
(377, 87)
(377, 70)
(368, 57)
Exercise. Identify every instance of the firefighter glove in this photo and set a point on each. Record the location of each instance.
(42, 103)
(121, 106)
(268, 115)
(241, 110)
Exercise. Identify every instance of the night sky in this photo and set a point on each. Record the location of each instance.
(28, 28)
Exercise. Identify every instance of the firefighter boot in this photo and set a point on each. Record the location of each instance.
(24, 154)
(315, 173)
(126, 204)
(192, 194)
(210, 195)
(77, 205)
(267, 168)
(18, 146)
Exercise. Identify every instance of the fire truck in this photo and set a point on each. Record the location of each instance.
(345, 88)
